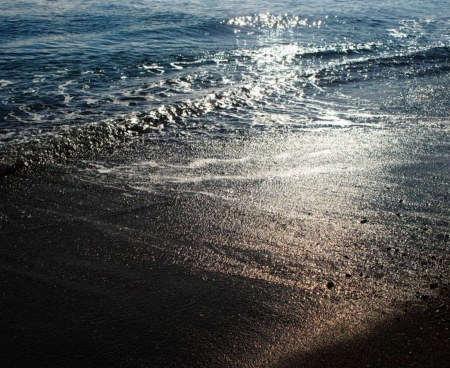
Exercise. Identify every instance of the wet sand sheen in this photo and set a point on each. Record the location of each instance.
(317, 248)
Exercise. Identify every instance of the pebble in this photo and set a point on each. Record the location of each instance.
(330, 285)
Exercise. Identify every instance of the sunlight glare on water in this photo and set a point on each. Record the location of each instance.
(263, 65)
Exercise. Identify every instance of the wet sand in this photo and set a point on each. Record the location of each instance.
(318, 249)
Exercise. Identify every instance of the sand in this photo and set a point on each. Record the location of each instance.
(317, 249)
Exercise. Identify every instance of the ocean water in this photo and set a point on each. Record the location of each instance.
(178, 68)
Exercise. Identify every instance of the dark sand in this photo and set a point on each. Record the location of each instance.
(326, 249)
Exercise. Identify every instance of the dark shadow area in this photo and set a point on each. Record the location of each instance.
(419, 337)
(165, 320)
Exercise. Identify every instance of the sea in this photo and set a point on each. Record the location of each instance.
(181, 69)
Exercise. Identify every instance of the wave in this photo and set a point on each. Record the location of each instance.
(112, 134)
(236, 83)
(431, 61)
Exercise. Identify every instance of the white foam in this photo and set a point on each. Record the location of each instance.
(175, 66)
(91, 101)
(210, 161)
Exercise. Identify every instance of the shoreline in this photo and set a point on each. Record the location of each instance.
(278, 251)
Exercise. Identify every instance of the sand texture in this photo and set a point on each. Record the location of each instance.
(320, 249)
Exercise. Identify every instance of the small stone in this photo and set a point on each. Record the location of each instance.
(330, 285)
(363, 221)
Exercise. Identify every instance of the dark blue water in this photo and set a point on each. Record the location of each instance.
(219, 67)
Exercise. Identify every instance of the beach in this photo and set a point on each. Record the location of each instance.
(237, 184)
(322, 248)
